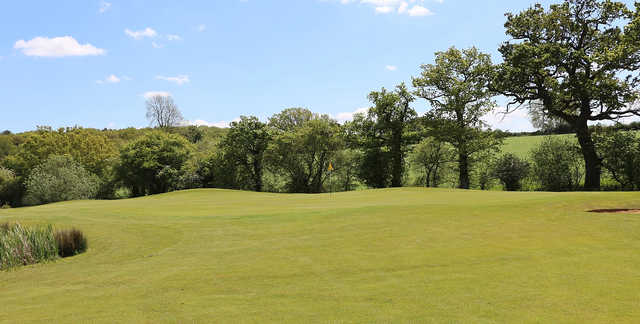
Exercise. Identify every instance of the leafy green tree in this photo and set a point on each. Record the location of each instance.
(430, 156)
(9, 187)
(346, 164)
(620, 151)
(579, 60)
(153, 163)
(557, 165)
(303, 146)
(7, 145)
(90, 147)
(510, 170)
(60, 178)
(292, 119)
(363, 134)
(385, 134)
(245, 145)
(457, 88)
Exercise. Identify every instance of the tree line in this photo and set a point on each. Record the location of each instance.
(571, 65)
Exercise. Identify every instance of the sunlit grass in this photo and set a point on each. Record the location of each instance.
(385, 256)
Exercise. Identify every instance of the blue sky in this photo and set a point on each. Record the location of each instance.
(90, 63)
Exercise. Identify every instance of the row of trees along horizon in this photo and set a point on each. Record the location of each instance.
(571, 65)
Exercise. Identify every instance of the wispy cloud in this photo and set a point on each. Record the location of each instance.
(56, 47)
(413, 8)
(140, 34)
(344, 117)
(391, 68)
(200, 122)
(180, 79)
(151, 94)
(104, 7)
(110, 79)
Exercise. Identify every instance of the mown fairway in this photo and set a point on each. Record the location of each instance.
(406, 255)
(522, 145)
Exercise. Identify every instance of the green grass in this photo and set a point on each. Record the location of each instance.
(386, 256)
(522, 145)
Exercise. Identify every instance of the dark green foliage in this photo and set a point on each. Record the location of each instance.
(193, 134)
(578, 59)
(620, 152)
(70, 242)
(557, 165)
(60, 178)
(303, 146)
(346, 164)
(244, 148)
(510, 170)
(375, 167)
(153, 163)
(9, 187)
(430, 157)
(384, 134)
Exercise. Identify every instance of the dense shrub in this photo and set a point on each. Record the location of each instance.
(9, 186)
(22, 246)
(620, 152)
(70, 242)
(510, 170)
(557, 164)
(153, 163)
(60, 178)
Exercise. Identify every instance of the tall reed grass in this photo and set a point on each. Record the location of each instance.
(21, 245)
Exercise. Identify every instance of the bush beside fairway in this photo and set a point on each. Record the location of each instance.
(400, 255)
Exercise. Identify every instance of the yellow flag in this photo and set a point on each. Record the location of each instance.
(330, 166)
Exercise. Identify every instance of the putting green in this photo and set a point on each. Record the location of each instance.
(398, 255)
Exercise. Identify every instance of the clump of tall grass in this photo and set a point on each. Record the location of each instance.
(70, 242)
(22, 245)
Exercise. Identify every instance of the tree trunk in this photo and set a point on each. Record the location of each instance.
(592, 162)
(463, 166)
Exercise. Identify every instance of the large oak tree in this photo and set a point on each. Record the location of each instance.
(457, 88)
(580, 59)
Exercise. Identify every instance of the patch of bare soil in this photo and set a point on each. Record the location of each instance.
(616, 211)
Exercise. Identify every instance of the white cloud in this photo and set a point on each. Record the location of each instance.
(174, 37)
(56, 47)
(413, 8)
(139, 34)
(200, 122)
(110, 79)
(391, 67)
(516, 121)
(348, 116)
(150, 94)
(384, 9)
(104, 6)
(201, 27)
(180, 79)
(419, 11)
(156, 45)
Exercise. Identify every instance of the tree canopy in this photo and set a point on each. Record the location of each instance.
(580, 60)
(457, 89)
